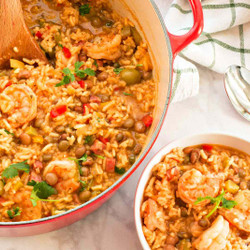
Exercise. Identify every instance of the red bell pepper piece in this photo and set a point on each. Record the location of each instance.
(147, 120)
(84, 107)
(103, 140)
(82, 84)
(39, 35)
(207, 147)
(59, 110)
(66, 52)
(8, 84)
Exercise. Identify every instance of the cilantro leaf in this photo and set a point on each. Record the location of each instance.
(118, 70)
(13, 169)
(14, 212)
(8, 132)
(139, 65)
(84, 9)
(120, 170)
(83, 185)
(78, 161)
(228, 204)
(88, 139)
(83, 72)
(31, 183)
(99, 156)
(41, 191)
(68, 77)
(127, 93)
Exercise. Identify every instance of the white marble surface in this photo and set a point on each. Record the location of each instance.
(112, 226)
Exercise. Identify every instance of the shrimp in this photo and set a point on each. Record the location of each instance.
(104, 47)
(214, 237)
(153, 217)
(192, 184)
(239, 216)
(19, 102)
(67, 173)
(28, 211)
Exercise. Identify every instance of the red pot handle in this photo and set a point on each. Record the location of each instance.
(180, 42)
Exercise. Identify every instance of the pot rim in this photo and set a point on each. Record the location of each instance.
(148, 169)
(123, 178)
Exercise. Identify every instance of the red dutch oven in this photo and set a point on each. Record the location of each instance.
(163, 48)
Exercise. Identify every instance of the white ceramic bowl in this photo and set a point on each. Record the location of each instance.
(221, 139)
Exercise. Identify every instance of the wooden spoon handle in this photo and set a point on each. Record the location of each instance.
(16, 40)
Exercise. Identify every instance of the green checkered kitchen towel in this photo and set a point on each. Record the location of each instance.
(225, 40)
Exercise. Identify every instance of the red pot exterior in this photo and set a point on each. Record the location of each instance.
(177, 43)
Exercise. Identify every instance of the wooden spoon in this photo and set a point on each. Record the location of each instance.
(16, 40)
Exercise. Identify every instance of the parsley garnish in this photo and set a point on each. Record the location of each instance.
(68, 77)
(79, 161)
(120, 170)
(84, 9)
(83, 185)
(8, 132)
(60, 45)
(31, 183)
(14, 212)
(228, 204)
(95, 63)
(118, 70)
(82, 73)
(41, 191)
(13, 169)
(127, 93)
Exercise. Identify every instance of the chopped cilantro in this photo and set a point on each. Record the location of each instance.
(83, 72)
(120, 170)
(95, 63)
(31, 183)
(99, 156)
(13, 169)
(228, 204)
(118, 70)
(79, 161)
(8, 132)
(83, 185)
(109, 24)
(60, 45)
(88, 139)
(14, 212)
(41, 191)
(84, 9)
(68, 77)
(139, 65)
(127, 93)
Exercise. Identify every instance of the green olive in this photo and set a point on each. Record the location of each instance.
(1, 187)
(96, 22)
(136, 36)
(130, 76)
(126, 32)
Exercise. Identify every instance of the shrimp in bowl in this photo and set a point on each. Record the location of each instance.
(197, 198)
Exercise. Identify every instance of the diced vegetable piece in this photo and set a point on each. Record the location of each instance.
(66, 52)
(17, 185)
(110, 165)
(147, 120)
(39, 35)
(103, 140)
(15, 64)
(231, 187)
(31, 131)
(171, 173)
(98, 147)
(207, 147)
(82, 84)
(59, 110)
(95, 99)
(34, 176)
(38, 139)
